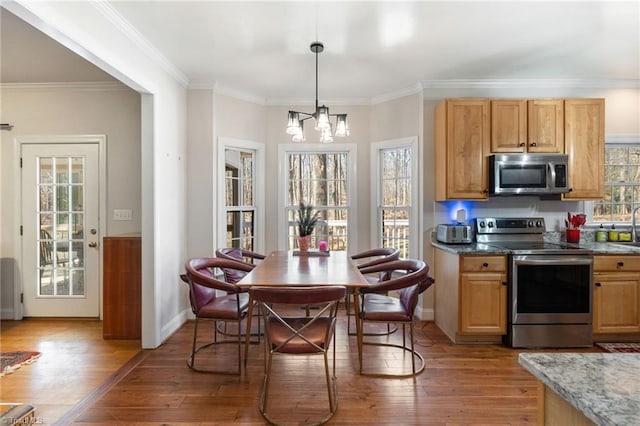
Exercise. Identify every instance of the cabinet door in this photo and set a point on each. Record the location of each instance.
(467, 142)
(483, 303)
(584, 144)
(546, 125)
(509, 125)
(616, 300)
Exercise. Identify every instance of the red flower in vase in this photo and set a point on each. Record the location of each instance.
(575, 221)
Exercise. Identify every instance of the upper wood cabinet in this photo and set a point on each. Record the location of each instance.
(520, 125)
(584, 144)
(461, 144)
(546, 125)
(466, 131)
(508, 125)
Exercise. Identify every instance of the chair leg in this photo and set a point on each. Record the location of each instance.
(413, 352)
(264, 399)
(329, 382)
(192, 356)
(195, 349)
(407, 349)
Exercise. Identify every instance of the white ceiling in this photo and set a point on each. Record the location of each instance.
(371, 48)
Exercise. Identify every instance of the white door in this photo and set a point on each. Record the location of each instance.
(60, 250)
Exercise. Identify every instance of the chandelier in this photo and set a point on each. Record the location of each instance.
(295, 123)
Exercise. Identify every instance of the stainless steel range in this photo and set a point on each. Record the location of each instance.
(550, 284)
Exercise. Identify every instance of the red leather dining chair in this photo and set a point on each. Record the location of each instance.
(288, 332)
(376, 307)
(207, 304)
(376, 256)
(241, 255)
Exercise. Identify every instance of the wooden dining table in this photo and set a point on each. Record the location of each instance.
(286, 269)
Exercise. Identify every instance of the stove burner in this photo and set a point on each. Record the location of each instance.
(520, 236)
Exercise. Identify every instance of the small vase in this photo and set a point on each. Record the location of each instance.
(573, 235)
(304, 242)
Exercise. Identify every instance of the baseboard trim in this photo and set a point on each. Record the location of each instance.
(425, 314)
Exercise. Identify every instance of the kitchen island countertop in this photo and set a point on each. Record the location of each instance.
(602, 386)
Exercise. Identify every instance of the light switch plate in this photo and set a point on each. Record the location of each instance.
(122, 214)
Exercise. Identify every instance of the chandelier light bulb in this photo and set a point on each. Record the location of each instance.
(342, 128)
(299, 135)
(293, 123)
(325, 135)
(322, 118)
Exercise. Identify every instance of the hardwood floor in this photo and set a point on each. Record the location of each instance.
(461, 384)
(75, 360)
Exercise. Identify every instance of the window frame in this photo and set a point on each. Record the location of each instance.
(258, 187)
(415, 220)
(611, 140)
(283, 179)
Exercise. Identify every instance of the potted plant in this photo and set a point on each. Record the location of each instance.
(573, 224)
(307, 220)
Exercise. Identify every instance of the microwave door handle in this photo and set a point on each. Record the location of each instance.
(552, 174)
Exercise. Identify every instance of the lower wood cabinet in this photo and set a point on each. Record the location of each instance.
(122, 282)
(616, 294)
(471, 297)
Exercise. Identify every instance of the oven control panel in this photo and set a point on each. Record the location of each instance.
(509, 225)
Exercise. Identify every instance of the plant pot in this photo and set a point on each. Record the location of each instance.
(573, 235)
(304, 242)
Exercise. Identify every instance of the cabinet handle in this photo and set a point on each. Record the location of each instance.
(533, 144)
(485, 191)
(522, 144)
(504, 283)
(620, 264)
(598, 284)
(485, 265)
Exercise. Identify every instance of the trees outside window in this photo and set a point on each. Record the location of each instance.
(241, 193)
(622, 184)
(320, 176)
(395, 170)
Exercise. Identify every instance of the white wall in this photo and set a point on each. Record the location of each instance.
(91, 30)
(111, 110)
(200, 173)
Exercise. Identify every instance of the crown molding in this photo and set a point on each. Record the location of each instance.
(238, 94)
(312, 102)
(139, 40)
(423, 85)
(407, 91)
(84, 86)
(627, 83)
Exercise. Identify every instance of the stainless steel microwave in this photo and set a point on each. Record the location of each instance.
(528, 174)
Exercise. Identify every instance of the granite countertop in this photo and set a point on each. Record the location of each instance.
(552, 237)
(602, 386)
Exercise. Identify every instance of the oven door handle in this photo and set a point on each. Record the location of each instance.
(552, 260)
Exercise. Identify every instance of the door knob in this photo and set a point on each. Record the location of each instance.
(93, 244)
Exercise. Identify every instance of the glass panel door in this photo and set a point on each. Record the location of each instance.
(61, 226)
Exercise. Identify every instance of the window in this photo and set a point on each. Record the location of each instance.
(395, 171)
(622, 183)
(241, 192)
(320, 178)
(239, 206)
